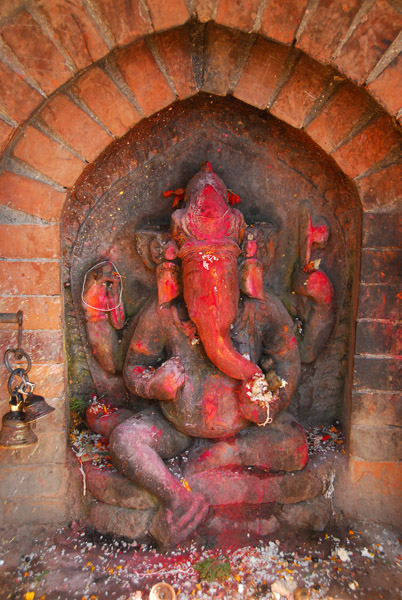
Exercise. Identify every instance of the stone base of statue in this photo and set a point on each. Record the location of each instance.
(246, 503)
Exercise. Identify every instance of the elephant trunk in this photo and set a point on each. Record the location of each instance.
(211, 293)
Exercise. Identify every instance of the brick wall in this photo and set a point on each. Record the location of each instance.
(74, 76)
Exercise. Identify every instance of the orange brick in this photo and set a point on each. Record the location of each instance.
(31, 196)
(327, 27)
(76, 30)
(38, 278)
(36, 511)
(39, 312)
(45, 481)
(42, 346)
(128, 20)
(166, 15)
(368, 147)
(145, 78)
(280, 20)
(36, 51)
(221, 55)
(51, 159)
(29, 241)
(379, 478)
(381, 189)
(174, 48)
(261, 73)
(17, 96)
(107, 102)
(338, 117)
(75, 127)
(300, 93)
(6, 131)
(237, 13)
(48, 379)
(204, 9)
(371, 38)
(387, 87)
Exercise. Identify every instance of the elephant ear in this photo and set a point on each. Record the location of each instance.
(150, 244)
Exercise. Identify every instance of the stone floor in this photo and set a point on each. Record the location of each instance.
(77, 563)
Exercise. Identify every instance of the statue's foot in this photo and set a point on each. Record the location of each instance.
(175, 524)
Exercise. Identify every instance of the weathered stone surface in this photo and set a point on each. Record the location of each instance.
(110, 487)
(282, 446)
(312, 515)
(130, 523)
(224, 487)
(260, 525)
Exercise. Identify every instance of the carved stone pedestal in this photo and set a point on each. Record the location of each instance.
(245, 503)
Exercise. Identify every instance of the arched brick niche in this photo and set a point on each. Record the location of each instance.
(77, 77)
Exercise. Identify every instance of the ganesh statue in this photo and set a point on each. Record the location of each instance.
(210, 362)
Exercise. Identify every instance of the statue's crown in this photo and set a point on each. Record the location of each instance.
(204, 177)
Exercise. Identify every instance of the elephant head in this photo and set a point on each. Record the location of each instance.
(208, 233)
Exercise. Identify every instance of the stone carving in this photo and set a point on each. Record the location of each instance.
(213, 353)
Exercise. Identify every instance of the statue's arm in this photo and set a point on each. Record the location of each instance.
(281, 359)
(145, 372)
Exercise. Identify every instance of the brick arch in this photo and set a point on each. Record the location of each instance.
(58, 122)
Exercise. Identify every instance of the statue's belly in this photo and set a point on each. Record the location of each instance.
(207, 405)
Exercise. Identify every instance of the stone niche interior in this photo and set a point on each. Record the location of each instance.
(275, 170)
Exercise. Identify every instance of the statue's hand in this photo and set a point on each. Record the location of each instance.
(167, 380)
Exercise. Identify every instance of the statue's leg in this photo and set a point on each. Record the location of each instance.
(137, 447)
(279, 446)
